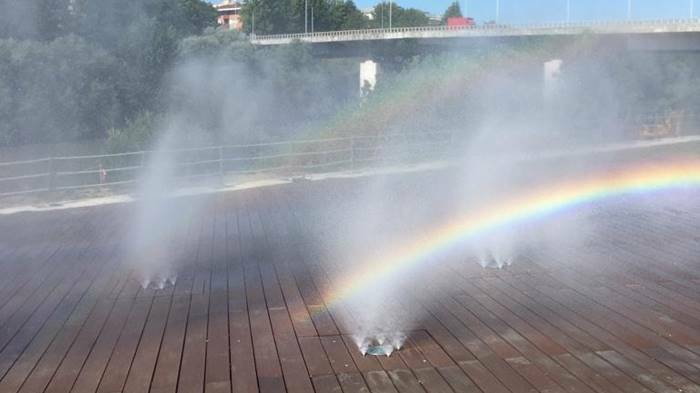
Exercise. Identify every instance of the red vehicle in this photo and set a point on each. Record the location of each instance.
(459, 21)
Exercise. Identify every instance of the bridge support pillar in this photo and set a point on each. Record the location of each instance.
(552, 72)
(369, 71)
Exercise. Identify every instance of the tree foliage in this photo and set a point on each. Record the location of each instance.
(57, 91)
(290, 16)
(400, 17)
(71, 69)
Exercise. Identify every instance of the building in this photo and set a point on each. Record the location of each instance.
(229, 14)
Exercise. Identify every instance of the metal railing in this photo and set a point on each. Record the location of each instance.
(493, 29)
(285, 158)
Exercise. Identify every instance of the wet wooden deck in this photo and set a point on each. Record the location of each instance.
(247, 313)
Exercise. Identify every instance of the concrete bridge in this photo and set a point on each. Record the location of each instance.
(369, 45)
(672, 28)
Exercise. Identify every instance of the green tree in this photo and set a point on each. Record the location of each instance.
(35, 19)
(346, 16)
(400, 17)
(271, 16)
(453, 11)
(331, 15)
(57, 91)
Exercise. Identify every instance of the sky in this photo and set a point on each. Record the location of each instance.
(526, 11)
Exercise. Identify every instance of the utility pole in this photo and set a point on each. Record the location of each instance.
(568, 11)
(306, 16)
(381, 24)
(498, 10)
(312, 19)
(390, 3)
(629, 9)
(252, 25)
(692, 9)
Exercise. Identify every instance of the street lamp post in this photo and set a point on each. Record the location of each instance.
(568, 11)
(306, 16)
(498, 10)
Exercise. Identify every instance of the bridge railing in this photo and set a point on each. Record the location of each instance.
(611, 24)
(221, 164)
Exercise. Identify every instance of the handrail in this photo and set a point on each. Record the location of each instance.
(504, 28)
(281, 157)
(107, 170)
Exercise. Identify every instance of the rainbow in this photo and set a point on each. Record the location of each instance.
(545, 201)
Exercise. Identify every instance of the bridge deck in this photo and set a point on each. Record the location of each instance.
(625, 27)
(247, 312)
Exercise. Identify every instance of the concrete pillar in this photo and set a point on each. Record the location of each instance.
(368, 76)
(552, 72)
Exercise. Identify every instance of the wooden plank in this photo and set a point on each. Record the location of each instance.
(167, 367)
(482, 377)
(93, 367)
(296, 375)
(326, 384)
(243, 372)
(642, 376)
(191, 378)
(143, 365)
(52, 312)
(218, 374)
(61, 379)
(352, 383)
(432, 381)
(458, 380)
(689, 370)
(338, 355)
(58, 369)
(314, 356)
(545, 320)
(269, 371)
(42, 351)
(405, 381)
(412, 356)
(379, 382)
(540, 380)
(624, 382)
(119, 364)
(568, 316)
(432, 351)
(592, 378)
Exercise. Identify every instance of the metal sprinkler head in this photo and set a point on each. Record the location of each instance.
(379, 350)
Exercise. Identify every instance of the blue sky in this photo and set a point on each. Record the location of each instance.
(524, 11)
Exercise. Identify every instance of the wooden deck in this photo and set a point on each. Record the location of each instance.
(618, 312)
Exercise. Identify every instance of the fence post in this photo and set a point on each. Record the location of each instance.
(221, 164)
(290, 157)
(352, 152)
(451, 152)
(52, 174)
